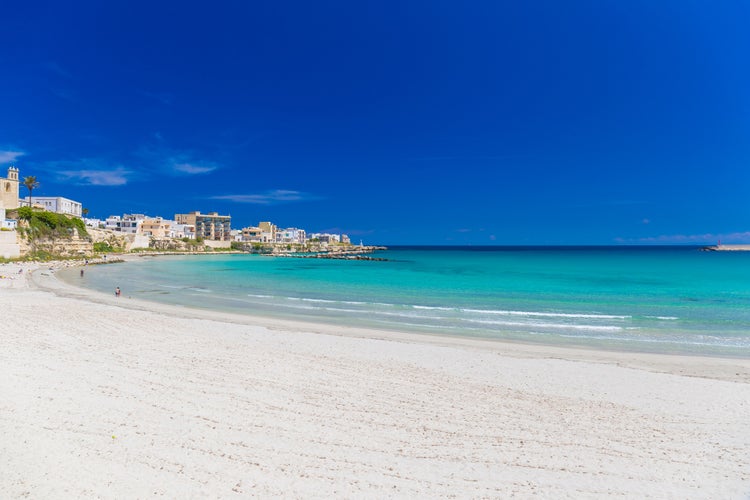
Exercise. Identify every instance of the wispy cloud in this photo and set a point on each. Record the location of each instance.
(169, 161)
(146, 163)
(193, 169)
(273, 197)
(89, 172)
(738, 237)
(118, 176)
(9, 156)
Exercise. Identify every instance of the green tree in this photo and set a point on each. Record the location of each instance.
(31, 184)
(85, 211)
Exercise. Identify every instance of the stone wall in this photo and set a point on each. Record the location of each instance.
(139, 241)
(217, 244)
(9, 247)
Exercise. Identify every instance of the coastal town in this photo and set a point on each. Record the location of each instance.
(191, 231)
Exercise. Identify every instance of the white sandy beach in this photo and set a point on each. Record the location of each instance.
(117, 398)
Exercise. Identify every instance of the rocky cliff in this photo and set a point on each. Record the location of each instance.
(74, 246)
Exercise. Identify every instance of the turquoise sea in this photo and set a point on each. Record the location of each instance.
(650, 299)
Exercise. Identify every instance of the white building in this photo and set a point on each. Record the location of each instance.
(291, 235)
(95, 223)
(128, 223)
(181, 230)
(131, 222)
(113, 223)
(56, 204)
(326, 237)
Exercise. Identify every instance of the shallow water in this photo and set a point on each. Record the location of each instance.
(653, 299)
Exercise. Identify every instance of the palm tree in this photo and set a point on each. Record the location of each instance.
(31, 184)
(85, 211)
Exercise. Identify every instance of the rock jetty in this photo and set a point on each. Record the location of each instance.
(345, 253)
(727, 248)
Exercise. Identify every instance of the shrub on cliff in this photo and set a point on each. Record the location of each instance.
(50, 225)
(103, 246)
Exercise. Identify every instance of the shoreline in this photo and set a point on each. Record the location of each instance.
(734, 367)
(569, 347)
(194, 402)
(721, 367)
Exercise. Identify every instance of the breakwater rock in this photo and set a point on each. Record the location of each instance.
(339, 253)
(335, 256)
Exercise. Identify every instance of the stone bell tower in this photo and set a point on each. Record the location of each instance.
(9, 189)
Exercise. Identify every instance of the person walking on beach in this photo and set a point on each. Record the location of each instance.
(117, 291)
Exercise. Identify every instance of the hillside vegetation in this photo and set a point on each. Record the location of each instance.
(49, 225)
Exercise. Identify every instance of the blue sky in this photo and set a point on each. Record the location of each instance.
(427, 122)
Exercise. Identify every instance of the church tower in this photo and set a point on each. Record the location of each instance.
(9, 188)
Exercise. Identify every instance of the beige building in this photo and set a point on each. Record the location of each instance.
(158, 228)
(9, 189)
(251, 233)
(267, 232)
(210, 226)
